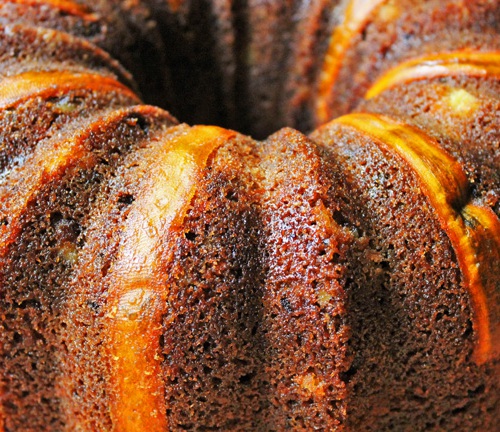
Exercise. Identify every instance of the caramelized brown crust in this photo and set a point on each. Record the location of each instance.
(403, 301)
(459, 112)
(156, 276)
(445, 184)
(304, 302)
(26, 49)
(397, 31)
(212, 349)
(44, 229)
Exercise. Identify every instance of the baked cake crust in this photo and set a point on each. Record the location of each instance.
(164, 276)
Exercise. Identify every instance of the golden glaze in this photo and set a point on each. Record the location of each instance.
(174, 5)
(18, 88)
(67, 6)
(472, 229)
(356, 16)
(137, 292)
(455, 63)
(483, 227)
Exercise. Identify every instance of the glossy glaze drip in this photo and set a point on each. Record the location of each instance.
(483, 227)
(356, 15)
(66, 6)
(15, 89)
(445, 184)
(458, 63)
(137, 292)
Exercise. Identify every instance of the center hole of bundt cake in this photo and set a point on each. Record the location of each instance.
(213, 73)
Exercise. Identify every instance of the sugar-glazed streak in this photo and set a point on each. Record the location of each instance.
(137, 292)
(355, 17)
(27, 85)
(471, 228)
(65, 6)
(457, 63)
(46, 164)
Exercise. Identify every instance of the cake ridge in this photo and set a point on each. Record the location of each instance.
(67, 225)
(65, 6)
(434, 166)
(356, 15)
(53, 45)
(136, 292)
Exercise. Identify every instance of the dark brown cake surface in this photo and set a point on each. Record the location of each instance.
(164, 276)
(405, 327)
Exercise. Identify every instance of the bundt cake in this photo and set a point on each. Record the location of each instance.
(340, 274)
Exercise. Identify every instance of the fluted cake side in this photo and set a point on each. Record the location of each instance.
(161, 276)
